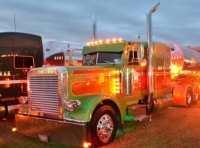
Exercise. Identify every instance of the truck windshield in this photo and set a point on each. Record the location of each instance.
(111, 57)
(23, 62)
(102, 57)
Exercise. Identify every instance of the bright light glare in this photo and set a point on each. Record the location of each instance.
(14, 129)
(86, 144)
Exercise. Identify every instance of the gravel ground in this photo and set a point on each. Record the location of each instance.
(175, 127)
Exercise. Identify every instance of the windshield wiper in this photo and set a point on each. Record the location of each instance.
(109, 62)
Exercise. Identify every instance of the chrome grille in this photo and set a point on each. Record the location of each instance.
(44, 96)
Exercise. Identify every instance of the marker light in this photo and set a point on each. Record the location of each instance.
(114, 40)
(108, 41)
(14, 129)
(120, 39)
(100, 42)
(86, 144)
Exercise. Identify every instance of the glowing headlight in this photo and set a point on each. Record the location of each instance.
(23, 99)
(71, 105)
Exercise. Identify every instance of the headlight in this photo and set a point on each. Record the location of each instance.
(23, 99)
(71, 105)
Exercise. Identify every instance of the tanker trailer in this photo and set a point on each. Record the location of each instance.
(185, 74)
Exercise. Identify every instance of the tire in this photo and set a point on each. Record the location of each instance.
(103, 126)
(189, 96)
(196, 96)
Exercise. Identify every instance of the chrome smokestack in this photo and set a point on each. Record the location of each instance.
(150, 54)
(93, 28)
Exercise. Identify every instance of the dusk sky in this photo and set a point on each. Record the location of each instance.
(71, 20)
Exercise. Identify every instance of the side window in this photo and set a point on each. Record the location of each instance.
(23, 62)
(133, 57)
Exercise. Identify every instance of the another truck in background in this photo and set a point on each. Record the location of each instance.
(62, 53)
(19, 52)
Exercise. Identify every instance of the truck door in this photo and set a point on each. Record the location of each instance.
(133, 75)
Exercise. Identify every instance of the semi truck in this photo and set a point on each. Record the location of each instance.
(77, 105)
(88, 105)
(119, 81)
(18, 53)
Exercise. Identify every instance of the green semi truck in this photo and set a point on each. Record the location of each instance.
(87, 105)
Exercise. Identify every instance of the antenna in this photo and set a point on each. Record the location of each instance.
(138, 20)
(14, 22)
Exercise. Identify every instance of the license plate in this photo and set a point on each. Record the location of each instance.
(43, 138)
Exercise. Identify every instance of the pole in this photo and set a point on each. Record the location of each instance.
(14, 22)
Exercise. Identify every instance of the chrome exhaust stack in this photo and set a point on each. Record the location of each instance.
(150, 55)
(93, 28)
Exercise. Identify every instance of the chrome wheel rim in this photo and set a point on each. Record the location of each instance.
(105, 128)
(189, 98)
(196, 96)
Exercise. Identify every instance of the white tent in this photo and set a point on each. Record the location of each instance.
(53, 47)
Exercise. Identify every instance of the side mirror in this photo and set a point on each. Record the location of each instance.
(140, 52)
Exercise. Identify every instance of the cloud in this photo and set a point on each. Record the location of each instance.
(67, 20)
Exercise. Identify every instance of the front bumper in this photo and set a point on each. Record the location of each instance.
(62, 132)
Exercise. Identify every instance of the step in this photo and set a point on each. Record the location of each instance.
(142, 118)
(136, 110)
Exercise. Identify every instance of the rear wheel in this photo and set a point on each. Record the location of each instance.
(189, 96)
(104, 126)
(196, 96)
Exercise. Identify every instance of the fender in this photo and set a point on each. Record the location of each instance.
(179, 94)
(88, 105)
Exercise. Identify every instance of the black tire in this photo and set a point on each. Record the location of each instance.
(189, 96)
(103, 126)
(196, 95)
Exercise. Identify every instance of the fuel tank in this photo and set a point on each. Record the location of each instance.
(183, 57)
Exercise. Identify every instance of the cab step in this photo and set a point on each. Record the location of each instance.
(142, 118)
(138, 112)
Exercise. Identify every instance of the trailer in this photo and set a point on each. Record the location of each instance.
(19, 52)
(185, 74)
(62, 53)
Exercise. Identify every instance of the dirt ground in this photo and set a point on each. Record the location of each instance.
(175, 127)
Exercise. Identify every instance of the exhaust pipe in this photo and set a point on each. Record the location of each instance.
(93, 28)
(150, 55)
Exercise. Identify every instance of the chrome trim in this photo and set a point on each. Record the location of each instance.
(74, 120)
(150, 48)
(48, 90)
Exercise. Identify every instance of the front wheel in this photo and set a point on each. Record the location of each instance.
(103, 126)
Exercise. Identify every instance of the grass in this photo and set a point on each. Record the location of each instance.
(175, 127)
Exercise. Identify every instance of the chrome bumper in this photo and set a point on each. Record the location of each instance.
(62, 132)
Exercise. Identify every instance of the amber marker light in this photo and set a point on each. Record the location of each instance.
(100, 42)
(120, 40)
(114, 40)
(14, 129)
(107, 41)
